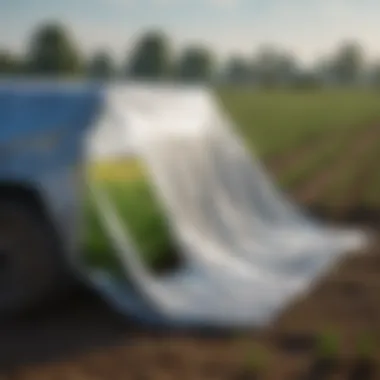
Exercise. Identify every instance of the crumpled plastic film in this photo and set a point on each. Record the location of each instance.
(247, 250)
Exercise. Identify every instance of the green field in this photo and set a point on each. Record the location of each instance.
(316, 131)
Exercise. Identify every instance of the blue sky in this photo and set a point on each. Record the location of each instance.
(311, 28)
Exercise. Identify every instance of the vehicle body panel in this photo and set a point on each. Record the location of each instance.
(43, 131)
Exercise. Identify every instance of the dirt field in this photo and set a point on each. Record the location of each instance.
(79, 338)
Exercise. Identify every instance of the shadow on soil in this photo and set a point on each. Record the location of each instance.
(79, 322)
(57, 330)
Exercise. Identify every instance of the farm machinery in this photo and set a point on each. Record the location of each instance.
(42, 181)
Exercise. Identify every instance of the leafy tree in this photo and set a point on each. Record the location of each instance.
(8, 63)
(287, 68)
(238, 70)
(307, 80)
(101, 66)
(375, 75)
(348, 63)
(151, 57)
(196, 63)
(53, 52)
(272, 67)
(322, 71)
(266, 66)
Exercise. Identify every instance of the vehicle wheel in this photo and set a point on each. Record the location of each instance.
(28, 257)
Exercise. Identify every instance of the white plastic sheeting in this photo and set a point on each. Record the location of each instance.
(247, 251)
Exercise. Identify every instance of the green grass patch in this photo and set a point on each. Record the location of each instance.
(142, 216)
(277, 121)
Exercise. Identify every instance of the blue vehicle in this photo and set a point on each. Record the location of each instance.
(42, 134)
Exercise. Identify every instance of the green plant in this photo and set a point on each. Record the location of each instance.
(366, 345)
(257, 359)
(328, 345)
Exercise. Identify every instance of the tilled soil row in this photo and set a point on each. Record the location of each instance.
(360, 180)
(283, 162)
(312, 164)
(316, 187)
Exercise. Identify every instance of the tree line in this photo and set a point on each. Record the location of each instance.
(52, 51)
